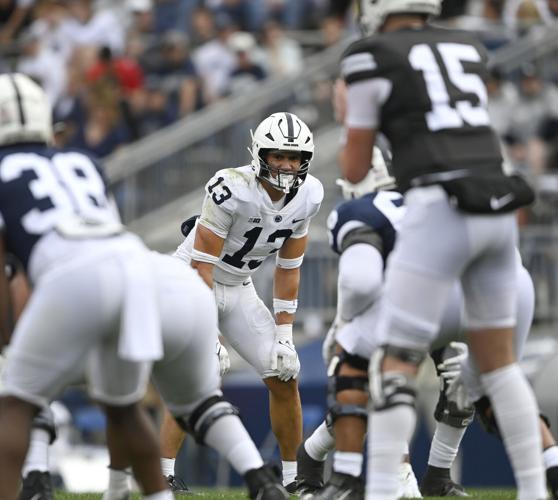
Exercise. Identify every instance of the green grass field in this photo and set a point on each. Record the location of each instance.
(238, 494)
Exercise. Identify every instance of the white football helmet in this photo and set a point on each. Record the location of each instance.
(25, 112)
(377, 178)
(373, 13)
(282, 132)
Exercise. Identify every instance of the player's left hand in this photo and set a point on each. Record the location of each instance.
(224, 359)
(450, 373)
(450, 368)
(283, 354)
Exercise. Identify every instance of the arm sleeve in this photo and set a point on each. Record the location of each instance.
(214, 218)
(358, 290)
(364, 101)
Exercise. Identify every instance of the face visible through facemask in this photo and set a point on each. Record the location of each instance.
(283, 167)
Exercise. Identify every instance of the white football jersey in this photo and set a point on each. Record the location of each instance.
(238, 209)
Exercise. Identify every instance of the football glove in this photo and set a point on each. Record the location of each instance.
(284, 358)
(451, 375)
(224, 359)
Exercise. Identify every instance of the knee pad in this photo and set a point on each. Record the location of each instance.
(448, 413)
(390, 389)
(204, 416)
(45, 420)
(337, 383)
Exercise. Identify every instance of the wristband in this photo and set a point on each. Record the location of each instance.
(288, 306)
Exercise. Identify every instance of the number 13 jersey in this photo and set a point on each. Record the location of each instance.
(425, 90)
(238, 209)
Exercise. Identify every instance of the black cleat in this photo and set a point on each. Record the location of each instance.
(177, 485)
(265, 484)
(310, 473)
(36, 485)
(339, 486)
(552, 481)
(437, 482)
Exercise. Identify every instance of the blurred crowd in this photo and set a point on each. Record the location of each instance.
(117, 71)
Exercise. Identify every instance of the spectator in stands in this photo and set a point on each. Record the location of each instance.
(502, 99)
(103, 129)
(203, 28)
(171, 15)
(177, 74)
(245, 13)
(124, 72)
(282, 55)
(142, 17)
(42, 65)
(215, 60)
(15, 15)
(545, 145)
(247, 73)
(52, 26)
(95, 28)
(538, 99)
(155, 112)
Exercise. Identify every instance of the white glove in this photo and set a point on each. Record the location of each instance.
(328, 347)
(450, 373)
(450, 368)
(283, 353)
(224, 360)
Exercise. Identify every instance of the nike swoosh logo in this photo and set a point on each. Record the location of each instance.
(297, 220)
(498, 203)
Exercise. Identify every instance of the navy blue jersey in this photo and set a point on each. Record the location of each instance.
(41, 187)
(378, 213)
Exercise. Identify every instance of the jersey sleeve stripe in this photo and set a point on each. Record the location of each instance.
(357, 63)
(345, 229)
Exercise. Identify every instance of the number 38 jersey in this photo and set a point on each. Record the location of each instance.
(425, 90)
(238, 209)
(372, 219)
(44, 190)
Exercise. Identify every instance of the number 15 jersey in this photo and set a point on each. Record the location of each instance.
(425, 90)
(238, 209)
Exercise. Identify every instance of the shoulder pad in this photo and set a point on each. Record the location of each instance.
(314, 193)
(230, 185)
(360, 60)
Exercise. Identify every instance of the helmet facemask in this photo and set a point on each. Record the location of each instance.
(282, 180)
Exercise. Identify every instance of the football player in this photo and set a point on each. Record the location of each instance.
(99, 305)
(56, 219)
(362, 231)
(249, 214)
(37, 481)
(423, 87)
